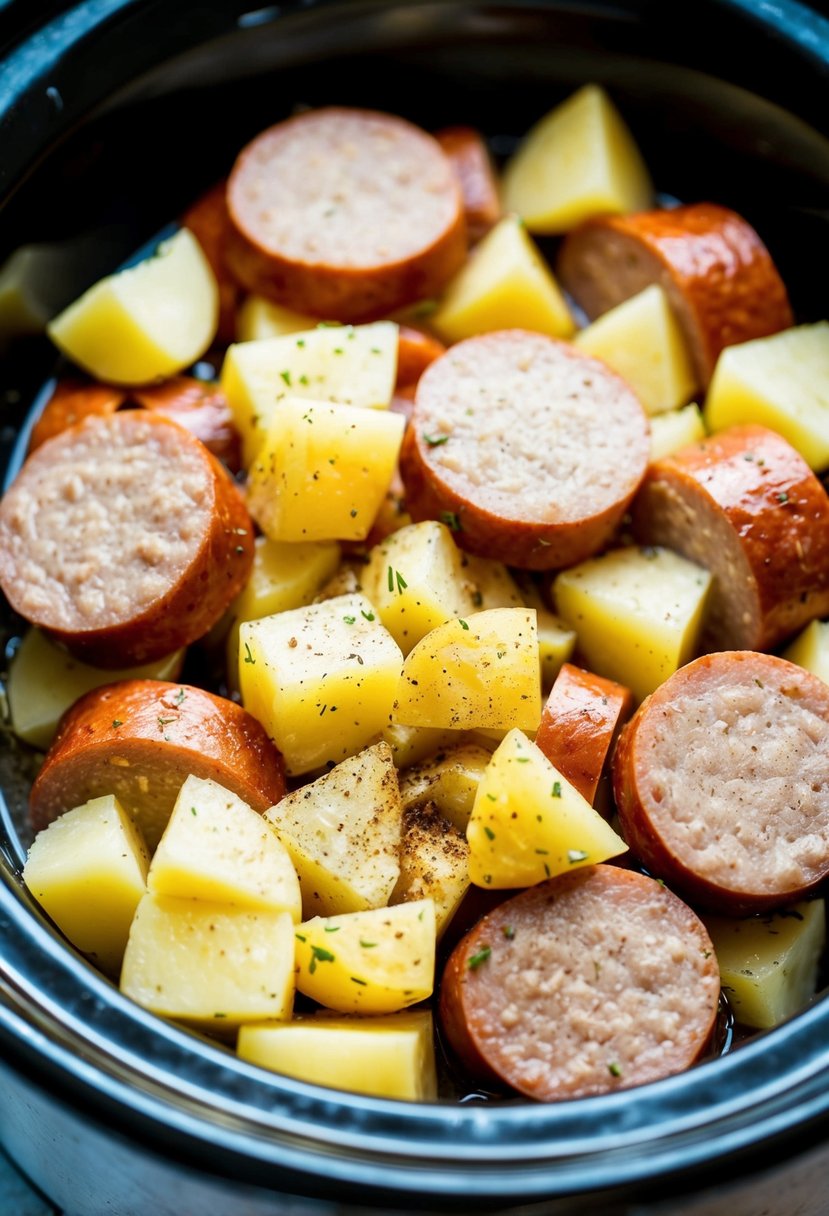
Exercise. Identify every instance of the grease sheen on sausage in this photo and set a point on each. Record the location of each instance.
(124, 538)
(722, 782)
(600, 979)
(529, 449)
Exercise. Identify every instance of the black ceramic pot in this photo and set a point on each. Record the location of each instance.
(113, 117)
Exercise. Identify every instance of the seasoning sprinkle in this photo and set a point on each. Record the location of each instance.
(479, 958)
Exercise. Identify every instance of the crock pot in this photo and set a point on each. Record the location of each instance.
(114, 116)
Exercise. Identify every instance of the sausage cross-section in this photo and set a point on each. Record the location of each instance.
(600, 979)
(124, 538)
(722, 782)
(471, 161)
(528, 449)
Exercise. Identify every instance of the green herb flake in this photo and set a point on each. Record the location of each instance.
(576, 855)
(332, 928)
(522, 759)
(479, 958)
(304, 380)
(180, 695)
(162, 722)
(116, 722)
(354, 980)
(368, 615)
(463, 624)
(349, 620)
(219, 1015)
(492, 798)
(508, 932)
(300, 342)
(367, 945)
(434, 441)
(451, 519)
(556, 790)
(248, 656)
(193, 811)
(614, 1069)
(319, 955)
(286, 376)
(477, 599)
(759, 683)
(782, 496)
(489, 833)
(300, 937)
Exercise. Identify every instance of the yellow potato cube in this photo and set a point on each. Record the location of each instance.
(410, 744)
(368, 962)
(580, 160)
(769, 964)
(642, 341)
(450, 780)
(147, 322)
(433, 863)
(556, 640)
(480, 672)
(505, 284)
(212, 966)
(321, 679)
(386, 1057)
(350, 364)
(343, 834)
(637, 613)
(810, 649)
(675, 430)
(259, 318)
(487, 583)
(44, 681)
(217, 848)
(529, 823)
(781, 382)
(88, 871)
(284, 576)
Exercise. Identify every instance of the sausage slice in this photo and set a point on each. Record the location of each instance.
(70, 403)
(415, 351)
(472, 163)
(124, 538)
(527, 448)
(578, 725)
(202, 409)
(140, 739)
(744, 504)
(345, 214)
(207, 219)
(600, 979)
(715, 270)
(722, 782)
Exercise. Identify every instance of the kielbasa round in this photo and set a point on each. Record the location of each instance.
(202, 409)
(472, 163)
(70, 403)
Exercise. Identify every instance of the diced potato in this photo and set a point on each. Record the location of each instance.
(343, 834)
(769, 964)
(556, 640)
(88, 871)
(284, 576)
(321, 679)
(212, 966)
(391, 1056)
(147, 322)
(323, 471)
(810, 649)
(580, 160)
(368, 962)
(410, 744)
(781, 382)
(505, 284)
(350, 364)
(480, 672)
(44, 681)
(641, 340)
(675, 430)
(450, 780)
(433, 863)
(529, 823)
(259, 318)
(217, 848)
(637, 613)
(487, 583)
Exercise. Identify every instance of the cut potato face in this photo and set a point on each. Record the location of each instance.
(386, 1057)
(529, 823)
(343, 834)
(433, 863)
(368, 962)
(449, 779)
(88, 871)
(675, 430)
(259, 318)
(147, 322)
(411, 744)
(216, 848)
(810, 649)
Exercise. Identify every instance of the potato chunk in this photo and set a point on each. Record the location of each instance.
(637, 613)
(781, 382)
(476, 672)
(321, 679)
(259, 318)
(391, 1056)
(433, 863)
(505, 284)
(529, 823)
(212, 966)
(411, 744)
(450, 779)
(349, 364)
(147, 322)
(323, 471)
(88, 871)
(641, 340)
(217, 848)
(810, 649)
(580, 160)
(368, 962)
(675, 430)
(769, 964)
(343, 834)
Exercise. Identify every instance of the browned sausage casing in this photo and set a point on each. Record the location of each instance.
(578, 724)
(207, 219)
(744, 504)
(717, 274)
(346, 214)
(124, 538)
(471, 161)
(600, 979)
(140, 740)
(415, 351)
(70, 403)
(202, 409)
(527, 448)
(722, 782)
